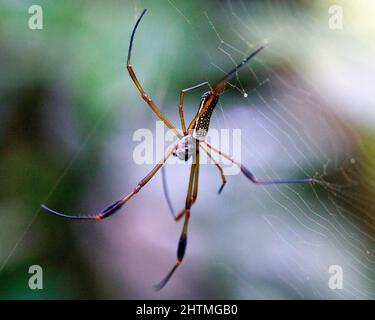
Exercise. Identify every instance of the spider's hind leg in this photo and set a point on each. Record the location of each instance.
(218, 166)
(183, 238)
(248, 174)
(196, 176)
(115, 206)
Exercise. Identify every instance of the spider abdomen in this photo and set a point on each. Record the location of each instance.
(203, 123)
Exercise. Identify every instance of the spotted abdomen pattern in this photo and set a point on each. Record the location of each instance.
(203, 123)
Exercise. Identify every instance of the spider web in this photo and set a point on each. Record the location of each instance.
(258, 241)
(289, 128)
(261, 241)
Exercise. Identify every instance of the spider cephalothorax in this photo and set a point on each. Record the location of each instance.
(185, 148)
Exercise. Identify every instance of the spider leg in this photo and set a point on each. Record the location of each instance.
(194, 192)
(196, 176)
(166, 192)
(111, 209)
(223, 179)
(255, 180)
(182, 93)
(139, 87)
(183, 238)
(219, 85)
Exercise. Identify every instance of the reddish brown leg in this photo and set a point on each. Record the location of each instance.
(139, 87)
(119, 203)
(183, 238)
(219, 85)
(255, 180)
(223, 179)
(196, 176)
(181, 112)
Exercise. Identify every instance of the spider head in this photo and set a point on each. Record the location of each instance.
(185, 148)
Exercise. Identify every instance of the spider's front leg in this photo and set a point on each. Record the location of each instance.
(138, 85)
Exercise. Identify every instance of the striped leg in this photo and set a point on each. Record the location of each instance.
(111, 209)
(183, 238)
(255, 180)
(139, 87)
(223, 179)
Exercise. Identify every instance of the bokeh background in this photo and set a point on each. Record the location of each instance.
(68, 111)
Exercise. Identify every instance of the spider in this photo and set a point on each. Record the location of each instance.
(189, 144)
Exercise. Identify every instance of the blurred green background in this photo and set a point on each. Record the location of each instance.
(68, 111)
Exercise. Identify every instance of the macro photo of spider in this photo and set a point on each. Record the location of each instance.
(191, 141)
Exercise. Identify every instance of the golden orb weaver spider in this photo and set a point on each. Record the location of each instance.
(189, 144)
